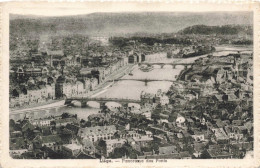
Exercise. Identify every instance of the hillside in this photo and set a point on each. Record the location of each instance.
(122, 23)
(220, 30)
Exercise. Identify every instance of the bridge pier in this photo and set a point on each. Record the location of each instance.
(102, 105)
(83, 103)
(145, 82)
(162, 66)
(67, 102)
(185, 67)
(173, 66)
(124, 105)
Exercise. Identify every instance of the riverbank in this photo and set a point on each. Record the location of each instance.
(35, 105)
(60, 102)
(108, 82)
(55, 103)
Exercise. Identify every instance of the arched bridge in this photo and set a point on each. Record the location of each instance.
(145, 80)
(162, 64)
(102, 101)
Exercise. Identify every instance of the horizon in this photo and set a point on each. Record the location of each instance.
(123, 23)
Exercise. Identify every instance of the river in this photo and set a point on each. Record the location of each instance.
(132, 89)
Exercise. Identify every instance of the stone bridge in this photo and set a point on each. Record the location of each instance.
(101, 101)
(173, 64)
(145, 80)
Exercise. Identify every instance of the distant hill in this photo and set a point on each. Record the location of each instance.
(221, 30)
(123, 23)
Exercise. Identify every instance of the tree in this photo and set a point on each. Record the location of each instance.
(205, 155)
(53, 124)
(65, 115)
(119, 153)
(13, 126)
(103, 146)
(124, 150)
(29, 134)
(75, 116)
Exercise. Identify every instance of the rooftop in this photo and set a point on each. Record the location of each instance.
(142, 138)
(98, 130)
(72, 146)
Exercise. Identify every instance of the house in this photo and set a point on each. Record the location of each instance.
(34, 95)
(221, 76)
(185, 155)
(65, 121)
(55, 57)
(167, 150)
(161, 98)
(198, 135)
(129, 134)
(88, 146)
(232, 98)
(93, 83)
(50, 141)
(50, 91)
(220, 124)
(32, 71)
(16, 134)
(97, 133)
(164, 156)
(142, 140)
(217, 98)
(17, 152)
(114, 143)
(146, 98)
(180, 121)
(17, 146)
(239, 132)
(71, 149)
(73, 128)
(198, 149)
(229, 131)
(219, 154)
(220, 134)
(26, 125)
(42, 122)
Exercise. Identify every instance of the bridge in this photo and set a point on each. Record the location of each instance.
(102, 101)
(162, 64)
(144, 80)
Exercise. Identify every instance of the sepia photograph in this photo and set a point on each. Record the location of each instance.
(139, 86)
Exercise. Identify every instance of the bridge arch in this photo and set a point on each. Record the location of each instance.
(111, 104)
(134, 105)
(142, 58)
(179, 66)
(93, 104)
(131, 59)
(168, 66)
(156, 66)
